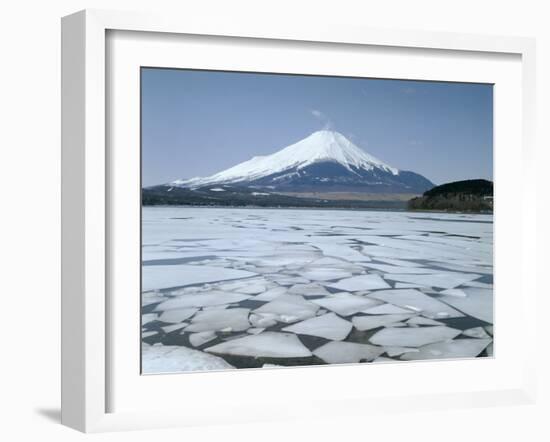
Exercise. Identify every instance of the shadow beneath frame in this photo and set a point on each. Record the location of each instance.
(51, 414)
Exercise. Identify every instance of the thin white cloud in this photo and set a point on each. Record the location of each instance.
(316, 113)
(322, 118)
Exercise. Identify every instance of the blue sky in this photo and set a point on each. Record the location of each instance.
(196, 123)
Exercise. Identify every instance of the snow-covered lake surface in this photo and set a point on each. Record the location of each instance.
(227, 288)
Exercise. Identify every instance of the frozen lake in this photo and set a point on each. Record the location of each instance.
(226, 288)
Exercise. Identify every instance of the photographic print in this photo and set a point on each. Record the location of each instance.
(300, 220)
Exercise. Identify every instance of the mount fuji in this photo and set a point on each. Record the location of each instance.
(325, 161)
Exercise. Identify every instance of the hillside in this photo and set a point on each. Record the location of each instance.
(460, 196)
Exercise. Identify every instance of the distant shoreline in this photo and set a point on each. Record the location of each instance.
(362, 209)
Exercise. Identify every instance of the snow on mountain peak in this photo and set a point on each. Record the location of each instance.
(320, 146)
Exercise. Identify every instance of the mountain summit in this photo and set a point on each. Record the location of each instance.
(325, 161)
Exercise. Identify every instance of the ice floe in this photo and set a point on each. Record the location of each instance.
(174, 327)
(446, 280)
(165, 276)
(306, 290)
(289, 308)
(148, 317)
(477, 303)
(397, 351)
(328, 326)
(415, 300)
(266, 344)
(177, 315)
(481, 285)
(200, 338)
(346, 304)
(263, 320)
(271, 294)
(476, 332)
(337, 352)
(170, 359)
(247, 287)
(420, 320)
(458, 348)
(203, 299)
(400, 262)
(233, 319)
(413, 337)
(404, 285)
(382, 359)
(386, 309)
(324, 274)
(361, 282)
(454, 292)
(287, 280)
(342, 251)
(152, 297)
(369, 322)
(401, 270)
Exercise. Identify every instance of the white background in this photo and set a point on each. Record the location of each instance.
(29, 229)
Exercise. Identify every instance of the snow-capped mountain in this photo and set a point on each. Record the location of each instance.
(325, 161)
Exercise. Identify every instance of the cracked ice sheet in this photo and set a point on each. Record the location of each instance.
(266, 344)
(335, 263)
(402, 270)
(251, 286)
(413, 337)
(232, 320)
(329, 326)
(346, 304)
(458, 348)
(166, 276)
(148, 298)
(361, 282)
(271, 294)
(341, 251)
(465, 268)
(171, 359)
(445, 280)
(400, 262)
(201, 299)
(289, 308)
(284, 259)
(386, 309)
(417, 301)
(306, 290)
(402, 285)
(477, 303)
(363, 323)
(347, 352)
(287, 280)
(324, 274)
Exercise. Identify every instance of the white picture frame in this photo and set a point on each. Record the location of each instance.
(87, 206)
